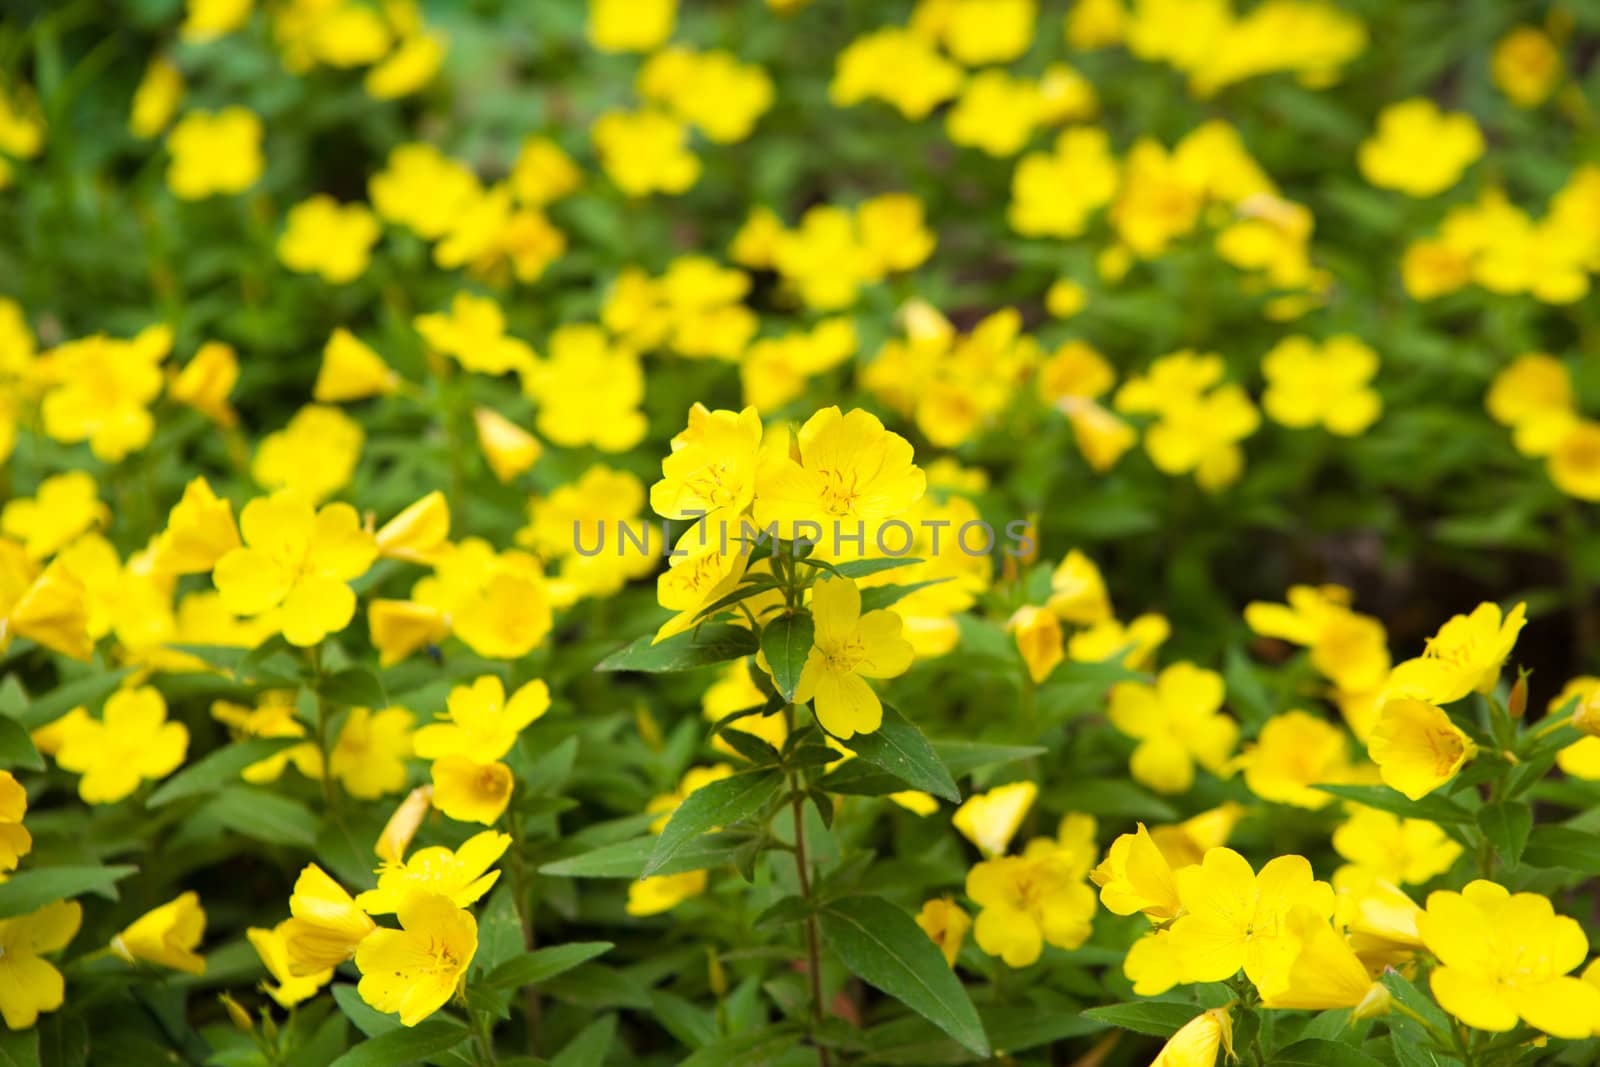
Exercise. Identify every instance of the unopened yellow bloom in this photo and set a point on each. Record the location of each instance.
(1237, 918)
(326, 926)
(166, 936)
(1526, 66)
(1197, 1042)
(1078, 591)
(419, 534)
(946, 923)
(156, 98)
(896, 66)
(272, 946)
(1037, 632)
(200, 531)
(990, 820)
(64, 506)
(482, 724)
(1326, 974)
(1327, 385)
(630, 25)
(132, 740)
(663, 892)
(1419, 150)
(645, 152)
(30, 985)
(368, 758)
(206, 380)
(1294, 753)
(1403, 851)
(469, 791)
(315, 454)
(474, 334)
(1416, 746)
(507, 447)
(1136, 876)
(1465, 656)
(300, 559)
(1506, 957)
(403, 825)
(461, 875)
(849, 648)
(214, 153)
(328, 238)
(1178, 722)
(413, 971)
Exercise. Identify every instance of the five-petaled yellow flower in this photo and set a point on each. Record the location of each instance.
(849, 648)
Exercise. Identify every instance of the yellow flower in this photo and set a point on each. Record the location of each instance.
(1327, 386)
(200, 531)
(996, 113)
(468, 791)
(15, 840)
(482, 724)
(410, 67)
(589, 390)
(400, 627)
(897, 66)
(422, 189)
(1196, 1043)
(1234, 917)
(369, 758)
(663, 892)
(206, 20)
(543, 173)
(645, 152)
(1403, 851)
(100, 389)
(419, 534)
(1136, 876)
(1096, 24)
(1294, 753)
(1078, 592)
(1053, 194)
(206, 380)
(131, 740)
(1378, 918)
(508, 448)
(712, 91)
(328, 238)
(824, 259)
(474, 334)
(849, 468)
(327, 924)
(315, 454)
(30, 985)
(1418, 150)
(413, 971)
(1029, 901)
(1533, 395)
(1526, 66)
(979, 32)
(990, 820)
(1574, 464)
(1136, 642)
(1064, 299)
(1349, 649)
(1202, 435)
(710, 474)
(50, 607)
(156, 98)
(630, 25)
(1038, 635)
(1465, 656)
(273, 717)
(299, 558)
(849, 648)
(166, 936)
(64, 506)
(402, 826)
(1178, 723)
(946, 923)
(462, 875)
(1416, 746)
(214, 153)
(271, 945)
(498, 604)
(1505, 957)
(1326, 974)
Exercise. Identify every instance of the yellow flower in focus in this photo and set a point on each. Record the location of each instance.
(214, 153)
(1416, 746)
(630, 25)
(990, 820)
(328, 238)
(710, 474)
(946, 923)
(132, 740)
(1038, 635)
(849, 648)
(64, 506)
(1294, 753)
(481, 723)
(644, 152)
(896, 66)
(1526, 66)
(206, 20)
(1402, 851)
(849, 469)
(326, 924)
(200, 531)
(1465, 656)
(469, 791)
(368, 758)
(1177, 723)
(462, 875)
(474, 334)
(271, 945)
(1234, 917)
(299, 558)
(1330, 385)
(166, 936)
(413, 971)
(1505, 957)
(1419, 150)
(663, 892)
(1196, 1043)
(1136, 877)
(206, 380)
(30, 985)
(315, 454)
(996, 113)
(156, 98)
(1326, 974)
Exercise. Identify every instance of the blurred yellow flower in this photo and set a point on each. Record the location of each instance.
(131, 741)
(167, 936)
(630, 25)
(314, 455)
(330, 239)
(1178, 723)
(1418, 149)
(1327, 385)
(214, 153)
(644, 152)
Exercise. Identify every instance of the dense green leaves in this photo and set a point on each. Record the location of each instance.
(30, 890)
(404, 1046)
(531, 968)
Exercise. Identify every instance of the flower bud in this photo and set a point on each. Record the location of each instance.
(1517, 704)
(236, 1013)
(1586, 716)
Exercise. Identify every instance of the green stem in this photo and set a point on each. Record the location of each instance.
(532, 1010)
(813, 949)
(330, 794)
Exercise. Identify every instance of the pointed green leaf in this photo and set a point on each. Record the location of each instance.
(786, 640)
(899, 748)
(715, 642)
(717, 805)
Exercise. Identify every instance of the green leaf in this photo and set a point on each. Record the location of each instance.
(1319, 1052)
(219, 768)
(589, 1048)
(757, 1048)
(715, 642)
(16, 747)
(1562, 846)
(367, 1019)
(884, 947)
(531, 968)
(1246, 694)
(1433, 807)
(899, 748)
(1158, 1018)
(627, 859)
(264, 816)
(19, 1048)
(407, 1045)
(354, 687)
(786, 640)
(29, 891)
(719, 804)
(861, 568)
(1506, 824)
(883, 596)
(85, 692)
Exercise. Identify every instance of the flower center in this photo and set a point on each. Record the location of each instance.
(839, 491)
